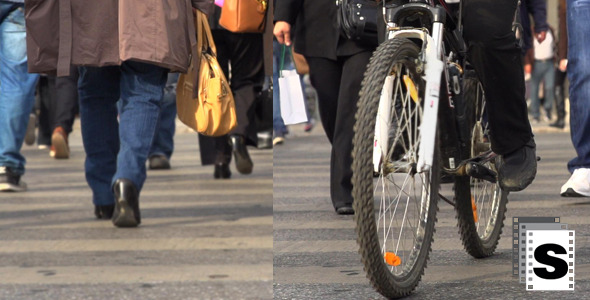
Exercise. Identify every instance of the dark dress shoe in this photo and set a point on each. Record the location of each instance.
(558, 124)
(243, 162)
(104, 212)
(345, 210)
(222, 171)
(126, 213)
(159, 162)
(518, 168)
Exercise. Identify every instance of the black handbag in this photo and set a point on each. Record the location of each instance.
(357, 20)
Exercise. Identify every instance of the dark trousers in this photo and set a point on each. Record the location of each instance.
(243, 51)
(496, 57)
(58, 104)
(338, 84)
(560, 94)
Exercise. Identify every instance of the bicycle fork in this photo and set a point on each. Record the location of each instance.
(432, 60)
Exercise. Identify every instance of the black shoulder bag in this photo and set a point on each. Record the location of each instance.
(357, 20)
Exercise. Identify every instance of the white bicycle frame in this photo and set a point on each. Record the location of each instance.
(433, 50)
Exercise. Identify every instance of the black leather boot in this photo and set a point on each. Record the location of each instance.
(558, 124)
(243, 162)
(104, 212)
(126, 212)
(222, 171)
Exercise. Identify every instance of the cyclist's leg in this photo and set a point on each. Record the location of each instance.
(497, 60)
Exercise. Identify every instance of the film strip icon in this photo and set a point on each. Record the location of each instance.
(519, 227)
(554, 248)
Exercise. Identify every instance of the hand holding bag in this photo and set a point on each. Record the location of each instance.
(213, 111)
(244, 15)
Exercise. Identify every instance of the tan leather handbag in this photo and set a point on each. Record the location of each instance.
(243, 15)
(300, 63)
(213, 112)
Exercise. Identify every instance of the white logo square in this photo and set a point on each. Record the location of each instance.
(550, 260)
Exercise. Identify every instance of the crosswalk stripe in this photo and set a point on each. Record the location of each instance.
(135, 274)
(20, 246)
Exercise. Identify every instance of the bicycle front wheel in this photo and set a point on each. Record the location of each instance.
(395, 206)
(481, 205)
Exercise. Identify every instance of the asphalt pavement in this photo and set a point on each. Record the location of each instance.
(315, 252)
(200, 238)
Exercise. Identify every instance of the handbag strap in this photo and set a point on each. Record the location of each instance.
(204, 36)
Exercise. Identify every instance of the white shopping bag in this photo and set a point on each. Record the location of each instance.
(292, 100)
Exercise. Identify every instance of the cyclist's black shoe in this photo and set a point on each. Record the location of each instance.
(518, 169)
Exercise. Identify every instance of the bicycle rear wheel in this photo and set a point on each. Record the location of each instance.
(480, 204)
(395, 206)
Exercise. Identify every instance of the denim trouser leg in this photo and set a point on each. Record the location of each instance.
(578, 22)
(142, 89)
(164, 138)
(543, 71)
(118, 150)
(99, 90)
(17, 87)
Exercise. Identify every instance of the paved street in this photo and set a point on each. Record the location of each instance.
(315, 253)
(200, 238)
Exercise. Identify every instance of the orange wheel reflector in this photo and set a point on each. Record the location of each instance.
(474, 208)
(392, 259)
(411, 87)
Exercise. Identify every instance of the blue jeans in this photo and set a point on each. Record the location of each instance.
(118, 149)
(277, 121)
(542, 71)
(17, 87)
(164, 139)
(578, 72)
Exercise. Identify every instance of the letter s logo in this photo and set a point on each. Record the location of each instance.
(560, 265)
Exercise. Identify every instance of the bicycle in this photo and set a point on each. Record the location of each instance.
(421, 117)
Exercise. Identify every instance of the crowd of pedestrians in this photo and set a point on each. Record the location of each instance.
(118, 75)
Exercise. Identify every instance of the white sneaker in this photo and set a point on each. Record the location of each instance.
(578, 185)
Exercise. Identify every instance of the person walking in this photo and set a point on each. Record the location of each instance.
(17, 94)
(578, 74)
(163, 145)
(58, 106)
(126, 49)
(336, 66)
(240, 56)
(561, 68)
(543, 71)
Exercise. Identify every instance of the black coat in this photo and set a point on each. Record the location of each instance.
(315, 32)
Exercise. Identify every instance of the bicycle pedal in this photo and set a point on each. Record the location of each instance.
(479, 171)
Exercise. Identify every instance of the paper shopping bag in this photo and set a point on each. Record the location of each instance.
(292, 100)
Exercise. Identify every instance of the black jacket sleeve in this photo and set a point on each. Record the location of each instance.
(287, 10)
(538, 8)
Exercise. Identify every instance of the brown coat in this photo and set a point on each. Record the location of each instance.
(61, 33)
